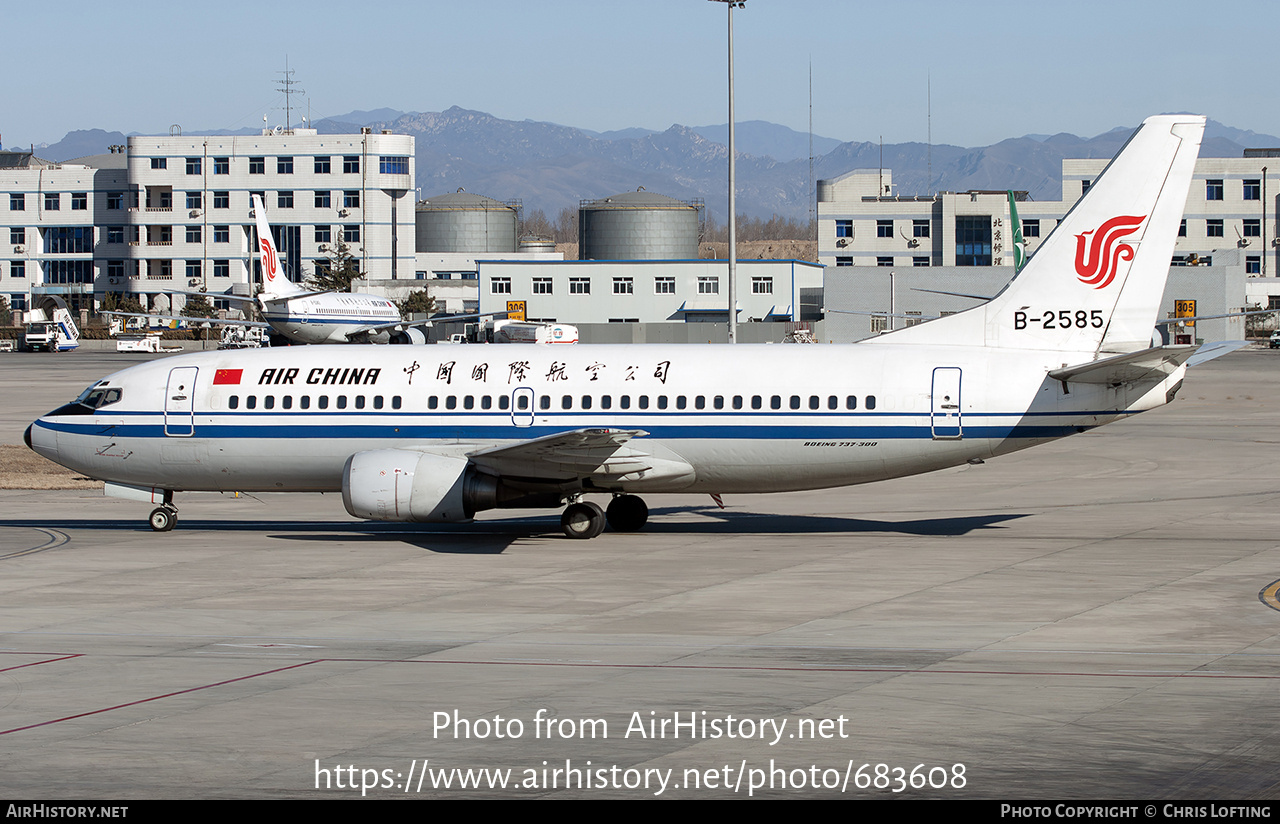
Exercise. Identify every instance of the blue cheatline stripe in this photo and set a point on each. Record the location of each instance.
(442, 431)
(592, 417)
(365, 321)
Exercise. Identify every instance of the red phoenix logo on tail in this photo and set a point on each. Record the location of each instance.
(269, 259)
(1096, 262)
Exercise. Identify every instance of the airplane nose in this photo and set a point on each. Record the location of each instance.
(26, 436)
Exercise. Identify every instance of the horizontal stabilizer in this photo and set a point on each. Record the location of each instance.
(1215, 350)
(1153, 364)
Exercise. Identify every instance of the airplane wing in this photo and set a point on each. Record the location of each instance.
(581, 453)
(1157, 363)
(401, 325)
(219, 295)
(191, 320)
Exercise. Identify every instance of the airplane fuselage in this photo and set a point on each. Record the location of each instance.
(716, 418)
(328, 317)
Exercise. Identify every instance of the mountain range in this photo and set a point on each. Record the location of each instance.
(550, 166)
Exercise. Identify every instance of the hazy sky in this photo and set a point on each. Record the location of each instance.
(999, 69)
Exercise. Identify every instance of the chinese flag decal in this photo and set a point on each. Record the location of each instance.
(224, 377)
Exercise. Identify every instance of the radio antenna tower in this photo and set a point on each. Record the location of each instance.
(287, 86)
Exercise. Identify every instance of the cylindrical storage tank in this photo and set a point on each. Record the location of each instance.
(638, 225)
(537, 244)
(463, 222)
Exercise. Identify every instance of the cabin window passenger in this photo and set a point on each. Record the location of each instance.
(342, 401)
(851, 402)
(700, 402)
(305, 402)
(251, 402)
(433, 402)
(287, 401)
(395, 402)
(359, 401)
(814, 403)
(606, 401)
(680, 402)
(662, 401)
(545, 401)
(566, 402)
(775, 402)
(486, 402)
(233, 402)
(377, 401)
(756, 402)
(625, 402)
(737, 401)
(795, 401)
(586, 401)
(719, 402)
(323, 402)
(504, 401)
(871, 401)
(833, 402)
(451, 402)
(269, 402)
(469, 402)
(644, 401)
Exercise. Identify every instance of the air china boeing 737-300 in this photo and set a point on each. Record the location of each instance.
(439, 433)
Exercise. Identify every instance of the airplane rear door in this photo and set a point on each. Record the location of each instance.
(180, 402)
(945, 404)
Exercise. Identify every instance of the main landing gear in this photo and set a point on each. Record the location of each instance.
(164, 518)
(583, 519)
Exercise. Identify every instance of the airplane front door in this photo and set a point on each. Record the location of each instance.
(945, 404)
(180, 402)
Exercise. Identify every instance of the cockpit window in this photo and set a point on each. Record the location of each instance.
(98, 397)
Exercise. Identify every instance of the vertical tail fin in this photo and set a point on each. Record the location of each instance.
(1016, 240)
(1095, 284)
(274, 282)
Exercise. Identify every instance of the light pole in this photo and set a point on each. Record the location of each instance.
(733, 214)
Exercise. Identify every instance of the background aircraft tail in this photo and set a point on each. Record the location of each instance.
(1095, 284)
(274, 282)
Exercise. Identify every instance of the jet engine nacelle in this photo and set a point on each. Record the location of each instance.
(404, 485)
(412, 336)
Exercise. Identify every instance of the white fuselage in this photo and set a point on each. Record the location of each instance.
(748, 418)
(328, 317)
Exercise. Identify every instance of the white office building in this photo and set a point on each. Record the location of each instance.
(647, 291)
(862, 223)
(173, 213)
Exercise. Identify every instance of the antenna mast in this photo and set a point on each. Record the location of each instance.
(286, 85)
(813, 195)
